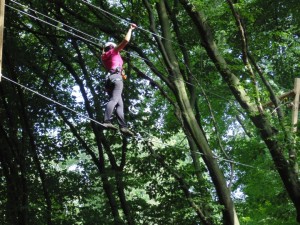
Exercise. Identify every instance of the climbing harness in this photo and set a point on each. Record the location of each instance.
(113, 72)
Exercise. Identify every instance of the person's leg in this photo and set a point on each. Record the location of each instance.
(115, 95)
(109, 110)
(117, 101)
(120, 112)
(119, 105)
(121, 119)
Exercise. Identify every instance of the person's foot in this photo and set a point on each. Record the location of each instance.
(109, 126)
(126, 131)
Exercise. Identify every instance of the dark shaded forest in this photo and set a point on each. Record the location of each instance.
(211, 93)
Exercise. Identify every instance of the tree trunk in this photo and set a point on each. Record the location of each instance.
(122, 197)
(267, 132)
(218, 179)
(183, 102)
(13, 161)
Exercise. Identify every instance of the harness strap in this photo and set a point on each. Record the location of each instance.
(117, 79)
(112, 72)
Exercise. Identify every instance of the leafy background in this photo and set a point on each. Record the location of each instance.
(58, 167)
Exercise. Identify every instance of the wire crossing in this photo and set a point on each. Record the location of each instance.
(127, 22)
(48, 23)
(93, 42)
(95, 121)
(81, 32)
(51, 100)
(57, 21)
(98, 43)
(72, 28)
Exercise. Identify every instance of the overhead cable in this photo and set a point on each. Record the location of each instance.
(51, 100)
(39, 19)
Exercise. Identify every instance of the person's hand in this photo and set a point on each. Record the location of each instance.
(133, 26)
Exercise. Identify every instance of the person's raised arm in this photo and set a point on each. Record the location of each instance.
(126, 38)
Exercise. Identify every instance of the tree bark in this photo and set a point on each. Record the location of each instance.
(183, 101)
(15, 152)
(267, 132)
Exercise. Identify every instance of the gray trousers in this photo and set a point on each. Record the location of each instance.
(114, 86)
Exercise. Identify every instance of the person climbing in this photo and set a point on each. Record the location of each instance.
(113, 64)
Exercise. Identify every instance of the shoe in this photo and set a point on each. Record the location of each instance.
(126, 131)
(109, 126)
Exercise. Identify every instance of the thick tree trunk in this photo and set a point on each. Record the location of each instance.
(13, 158)
(218, 179)
(9, 174)
(268, 134)
(107, 186)
(122, 197)
(112, 202)
(28, 132)
(194, 129)
(286, 171)
(16, 183)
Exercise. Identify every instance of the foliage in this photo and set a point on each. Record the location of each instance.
(57, 166)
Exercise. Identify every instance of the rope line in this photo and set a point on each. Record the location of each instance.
(51, 100)
(55, 26)
(72, 33)
(89, 34)
(37, 18)
(111, 14)
(199, 153)
(232, 161)
(95, 121)
(92, 37)
(34, 17)
(127, 22)
(139, 27)
(57, 21)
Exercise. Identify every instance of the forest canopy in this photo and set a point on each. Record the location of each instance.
(212, 95)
